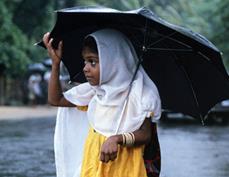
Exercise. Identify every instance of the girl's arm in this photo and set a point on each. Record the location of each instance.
(55, 96)
(109, 148)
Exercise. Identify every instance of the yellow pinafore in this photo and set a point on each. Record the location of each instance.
(129, 161)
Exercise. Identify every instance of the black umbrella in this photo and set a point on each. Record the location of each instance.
(185, 66)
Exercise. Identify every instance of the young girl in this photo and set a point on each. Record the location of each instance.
(119, 113)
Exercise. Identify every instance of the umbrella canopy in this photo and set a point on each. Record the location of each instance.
(185, 66)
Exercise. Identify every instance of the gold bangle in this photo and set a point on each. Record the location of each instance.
(129, 140)
(123, 140)
(133, 138)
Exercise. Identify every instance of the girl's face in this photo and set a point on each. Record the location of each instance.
(91, 68)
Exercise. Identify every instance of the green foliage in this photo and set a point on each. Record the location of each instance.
(118, 4)
(33, 18)
(13, 47)
(220, 29)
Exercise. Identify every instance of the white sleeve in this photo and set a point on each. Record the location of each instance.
(153, 108)
(80, 95)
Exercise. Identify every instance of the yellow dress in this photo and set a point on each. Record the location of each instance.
(129, 161)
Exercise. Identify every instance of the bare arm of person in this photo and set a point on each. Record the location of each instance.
(55, 96)
(109, 148)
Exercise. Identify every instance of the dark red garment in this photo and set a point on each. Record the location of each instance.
(152, 155)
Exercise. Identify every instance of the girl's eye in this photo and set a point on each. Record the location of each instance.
(92, 63)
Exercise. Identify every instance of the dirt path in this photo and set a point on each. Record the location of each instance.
(26, 112)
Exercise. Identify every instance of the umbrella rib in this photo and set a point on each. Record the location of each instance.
(193, 92)
(200, 53)
(161, 39)
(75, 76)
(169, 37)
(191, 85)
(175, 50)
(172, 39)
(145, 33)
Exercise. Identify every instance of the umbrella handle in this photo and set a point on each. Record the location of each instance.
(135, 73)
(127, 97)
(121, 115)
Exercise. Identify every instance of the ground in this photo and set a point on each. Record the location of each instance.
(188, 148)
(26, 112)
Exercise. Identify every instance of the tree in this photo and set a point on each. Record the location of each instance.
(13, 46)
(220, 29)
(33, 17)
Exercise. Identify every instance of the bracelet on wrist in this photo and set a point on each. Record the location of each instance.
(128, 139)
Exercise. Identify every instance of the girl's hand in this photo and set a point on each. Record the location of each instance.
(109, 149)
(54, 54)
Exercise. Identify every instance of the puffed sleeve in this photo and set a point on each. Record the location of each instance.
(80, 95)
(151, 106)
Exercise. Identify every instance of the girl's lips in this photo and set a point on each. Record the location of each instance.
(89, 78)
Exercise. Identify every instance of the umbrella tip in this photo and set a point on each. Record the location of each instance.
(202, 122)
(203, 119)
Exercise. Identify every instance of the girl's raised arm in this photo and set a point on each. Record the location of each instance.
(55, 96)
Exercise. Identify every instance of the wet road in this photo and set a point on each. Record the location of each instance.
(188, 149)
(26, 148)
(192, 150)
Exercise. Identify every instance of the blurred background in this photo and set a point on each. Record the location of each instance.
(189, 149)
(23, 23)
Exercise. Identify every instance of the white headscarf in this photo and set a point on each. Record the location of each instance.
(109, 110)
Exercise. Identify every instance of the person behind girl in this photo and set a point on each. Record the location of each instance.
(119, 113)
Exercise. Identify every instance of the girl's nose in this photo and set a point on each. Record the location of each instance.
(86, 68)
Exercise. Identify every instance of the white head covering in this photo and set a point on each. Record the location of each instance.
(109, 110)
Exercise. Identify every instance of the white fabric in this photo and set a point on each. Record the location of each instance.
(70, 134)
(80, 95)
(107, 101)
(118, 61)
